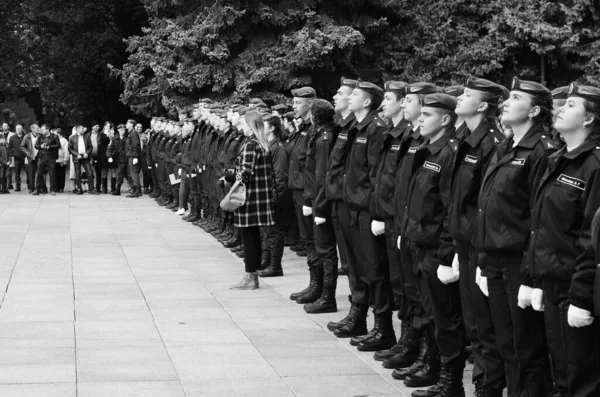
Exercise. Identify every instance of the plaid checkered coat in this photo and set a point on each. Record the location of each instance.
(255, 168)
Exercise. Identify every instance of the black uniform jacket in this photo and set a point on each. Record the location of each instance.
(408, 148)
(116, 150)
(317, 164)
(428, 197)
(359, 176)
(337, 159)
(298, 158)
(504, 216)
(133, 147)
(382, 199)
(474, 154)
(279, 158)
(566, 200)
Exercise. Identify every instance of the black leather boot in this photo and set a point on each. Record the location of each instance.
(265, 259)
(295, 295)
(235, 240)
(315, 293)
(117, 191)
(274, 269)
(356, 325)
(383, 337)
(326, 303)
(412, 348)
(405, 330)
(429, 373)
(435, 390)
(332, 326)
(104, 185)
(402, 372)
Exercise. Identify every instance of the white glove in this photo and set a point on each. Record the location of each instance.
(579, 317)
(525, 296)
(377, 228)
(135, 161)
(482, 282)
(446, 274)
(179, 172)
(306, 211)
(319, 221)
(456, 266)
(399, 241)
(149, 167)
(537, 300)
(156, 165)
(110, 160)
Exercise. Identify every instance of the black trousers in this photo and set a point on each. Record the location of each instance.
(20, 165)
(307, 232)
(61, 172)
(396, 279)
(87, 165)
(31, 170)
(121, 173)
(326, 251)
(442, 306)
(414, 306)
(520, 336)
(488, 369)
(575, 352)
(358, 288)
(337, 229)
(133, 171)
(252, 247)
(98, 170)
(372, 262)
(45, 165)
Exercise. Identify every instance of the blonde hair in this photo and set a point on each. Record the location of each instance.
(256, 124)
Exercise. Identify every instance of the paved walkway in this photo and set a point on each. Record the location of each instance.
(104, 296)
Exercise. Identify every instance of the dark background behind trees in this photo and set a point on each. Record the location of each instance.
(108, 58)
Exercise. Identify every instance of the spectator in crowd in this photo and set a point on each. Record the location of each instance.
(63, 160)
(18, 156)
(30, 161)
(47, 146)
(80, 147)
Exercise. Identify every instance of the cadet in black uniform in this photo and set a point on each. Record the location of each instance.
(366, 251)
(561, 259)
(382, 203)
(323, 136)
(502, 238)
(425, 227)
(418, 358)
(478, 106)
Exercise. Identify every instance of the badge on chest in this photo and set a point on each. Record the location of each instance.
(570, 181)
(428, 165)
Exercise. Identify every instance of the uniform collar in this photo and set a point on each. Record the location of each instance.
(273, 144)
(532, 137)
(476, 136)
(349, 119)
(436, 146)
(396, 131)
(367, 120)
(588, 145)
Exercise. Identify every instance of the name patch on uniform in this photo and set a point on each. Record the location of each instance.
(395, 148)
(520, 162)
(343, 137)
(470, 159)
(569, 180)
(432, 166)
(361, 140)
(413, 149)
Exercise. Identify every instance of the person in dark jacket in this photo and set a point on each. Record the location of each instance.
(255, 171)
(47, 146)
(30, 161)
(133, 150)
(478, 106)
(325, 132)
(562, 262)
(369, 256)
(425, 228)
(4, 164)
(80, 147)
(502, 238)
(282, 200)
(117, 155)
(302, 98)
(382, 211)
(18, 156)
(99, 142)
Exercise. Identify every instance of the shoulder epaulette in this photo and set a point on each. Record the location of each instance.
(548, 142)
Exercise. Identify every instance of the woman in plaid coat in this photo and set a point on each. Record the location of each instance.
(255, 169)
